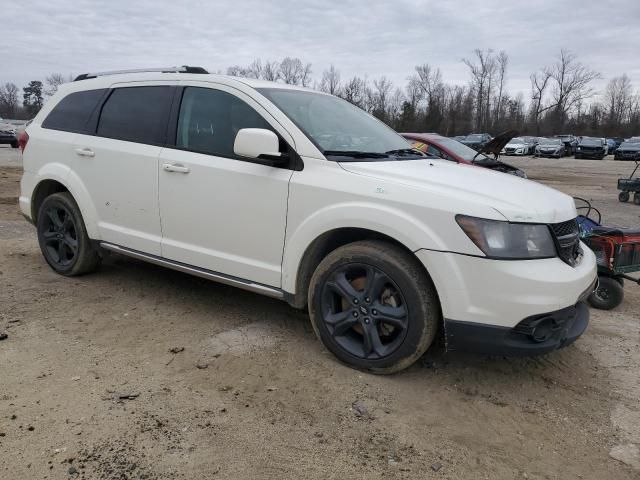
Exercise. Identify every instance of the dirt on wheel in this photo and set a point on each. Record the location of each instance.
(136, 372)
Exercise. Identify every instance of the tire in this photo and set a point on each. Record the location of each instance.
(608, 295)
(636, 198)
(14, 145)
(623, 196)
(577, 156)
(338, 301)
(63, 237)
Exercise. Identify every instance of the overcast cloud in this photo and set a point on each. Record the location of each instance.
(358, 36)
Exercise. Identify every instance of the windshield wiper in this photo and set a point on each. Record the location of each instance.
(355, 154)
(407, 151)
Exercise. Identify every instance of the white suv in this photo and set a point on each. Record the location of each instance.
(301, 196)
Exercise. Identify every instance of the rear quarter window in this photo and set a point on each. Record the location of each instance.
(136, 114)
(72, 113)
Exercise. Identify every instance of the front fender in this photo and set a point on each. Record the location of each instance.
(392, 222)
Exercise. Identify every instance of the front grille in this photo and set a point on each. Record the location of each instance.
(567, 236)
(510, 150)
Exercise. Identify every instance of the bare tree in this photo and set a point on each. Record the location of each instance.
(294, 72)
(271, 71)
(330, 82)
(572, 81)
(354, 91)
(539, 84)
(54, 81)
(9, 99)
(482, 70)
(502, 61)
(618, 97)
(381, 97)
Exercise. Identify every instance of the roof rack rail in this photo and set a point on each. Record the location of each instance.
(182, 69)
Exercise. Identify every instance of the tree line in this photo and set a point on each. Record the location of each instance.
(561, 99)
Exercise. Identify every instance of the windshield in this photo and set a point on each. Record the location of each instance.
(591, 141)
(550, 141)
(460, 150)
(338, 127)
(517, 140)
(474, 138)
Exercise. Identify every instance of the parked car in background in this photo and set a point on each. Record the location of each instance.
(550, 147)
(532, 142)
(570, 143)
(629, 150)
(452, 150)
(476, 140)
(518, 146)
(459, 138)
(605, 145)
(591, 147)
(8, 134)
(616, 143)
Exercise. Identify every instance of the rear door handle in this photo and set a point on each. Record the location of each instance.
(177, 168)
(85, 152)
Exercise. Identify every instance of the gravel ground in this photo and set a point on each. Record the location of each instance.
(137, 372)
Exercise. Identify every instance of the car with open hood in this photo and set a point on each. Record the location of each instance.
(550, 147)
(452, 150)
(570, 143)
(628, 150)
(303, 197)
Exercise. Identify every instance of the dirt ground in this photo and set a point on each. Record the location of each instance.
(90, 389)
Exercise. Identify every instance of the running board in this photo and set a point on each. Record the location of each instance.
(198, 272)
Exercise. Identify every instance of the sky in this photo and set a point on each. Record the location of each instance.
(372, 38)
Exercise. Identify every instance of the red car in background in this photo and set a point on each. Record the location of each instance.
(453, 150)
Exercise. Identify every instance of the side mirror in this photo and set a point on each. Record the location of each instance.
(258, 143)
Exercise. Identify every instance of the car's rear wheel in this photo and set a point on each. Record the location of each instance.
(373, 306)
(63, 237)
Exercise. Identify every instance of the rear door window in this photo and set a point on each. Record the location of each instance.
(210, 119)
(72, 113)
(136, 114)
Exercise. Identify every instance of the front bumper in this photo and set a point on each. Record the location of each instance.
(549, 154)
(484, 295)
(534, 335)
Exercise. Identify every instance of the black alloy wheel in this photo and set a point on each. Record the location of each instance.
(63, 237)
(60, 236)
(364, 311)
(374, 306)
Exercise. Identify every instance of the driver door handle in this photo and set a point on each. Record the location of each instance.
(175, 168)
(85, 152)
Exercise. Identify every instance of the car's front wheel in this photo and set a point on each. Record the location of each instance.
(63, 237)
(373, 306)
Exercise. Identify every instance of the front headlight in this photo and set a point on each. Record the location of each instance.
(578, 148)
(514, 241)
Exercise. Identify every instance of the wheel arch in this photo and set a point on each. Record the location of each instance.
(55, 178)
(322, 246)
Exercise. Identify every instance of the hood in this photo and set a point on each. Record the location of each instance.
(516, 199)
(549, 145)
(496, 144)
(629, 148)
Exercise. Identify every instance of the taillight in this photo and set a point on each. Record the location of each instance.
(23, 138)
